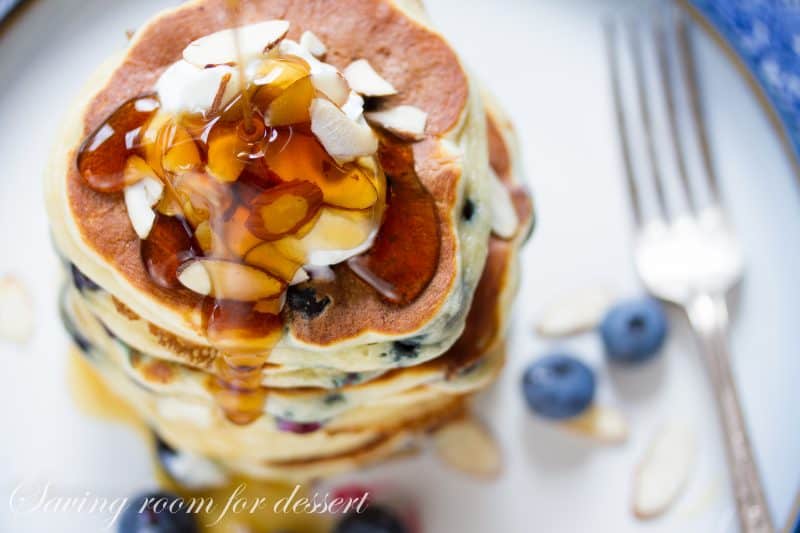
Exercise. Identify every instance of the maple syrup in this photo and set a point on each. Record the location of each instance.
(247, 187)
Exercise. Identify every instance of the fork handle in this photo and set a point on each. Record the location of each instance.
(708, 315)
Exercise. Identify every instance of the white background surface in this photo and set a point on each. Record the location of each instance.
(544, 59)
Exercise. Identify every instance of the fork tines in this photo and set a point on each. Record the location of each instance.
(659, 115)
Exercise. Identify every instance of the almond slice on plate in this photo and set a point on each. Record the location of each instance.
(332, 84)
(578, 311)
(405, 121)
(467, 446)
(664, 470)
(343, 138)
(364, 80)
(16, 311)
(229, 280)
(139, 200)
(600, 423)
(313, 44)
(220, 48)
(504, 216)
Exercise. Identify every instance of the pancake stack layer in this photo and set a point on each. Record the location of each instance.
(337, 287)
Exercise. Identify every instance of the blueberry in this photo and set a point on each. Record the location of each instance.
(304, 300)
(82, 281)
(634, 330)
(558, 386)
(164, 513)
(406, 349)
(374, 519)
(468, 211)
(300, 428)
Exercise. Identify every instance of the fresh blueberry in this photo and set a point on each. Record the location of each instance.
(82, 281)
(634, 330)
(558, 386)
(300, 428)
(468, 211)
(374, 519)
(406, 349)
(303, 300)
(159, 512)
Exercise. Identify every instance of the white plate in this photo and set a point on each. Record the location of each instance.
(544, 59)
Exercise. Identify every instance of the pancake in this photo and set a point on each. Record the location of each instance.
(194, 424)
(304, 404)
(450, 162)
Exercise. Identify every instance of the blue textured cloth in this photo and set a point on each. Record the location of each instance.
(766, 34)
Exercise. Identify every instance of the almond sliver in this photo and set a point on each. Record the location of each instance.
(504, 216)
(313, 44)
(139, 201)
(364, 80)
(469, 447)
(663, 472)
(405, 121)
(220, 48)
(600, 423)
(578, 311)
(16, 311)
(332, 84)
(343, 138)
(354, 106)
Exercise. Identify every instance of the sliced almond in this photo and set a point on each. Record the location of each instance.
(332, 84)
(136, 169)
(229, 280)
(467, 446)
(139, 200)
(364, 80)
(288, 47)
(195, 278)
(321, 273)
(267, 256)
(16, 311)
(300, 276)
(338, 235)
(405, 121)
(354, 106)
(504, 216)
(664, 470)
(220, 48)
(313, 44)
(185, 87)
(600, 423)
(578, 311)
(341, 137)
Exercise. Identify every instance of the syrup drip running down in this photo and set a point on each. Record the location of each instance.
(249, 194)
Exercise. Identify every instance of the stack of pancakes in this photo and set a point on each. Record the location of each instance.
(354, 378)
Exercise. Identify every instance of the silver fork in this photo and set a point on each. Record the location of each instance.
(688, 257)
